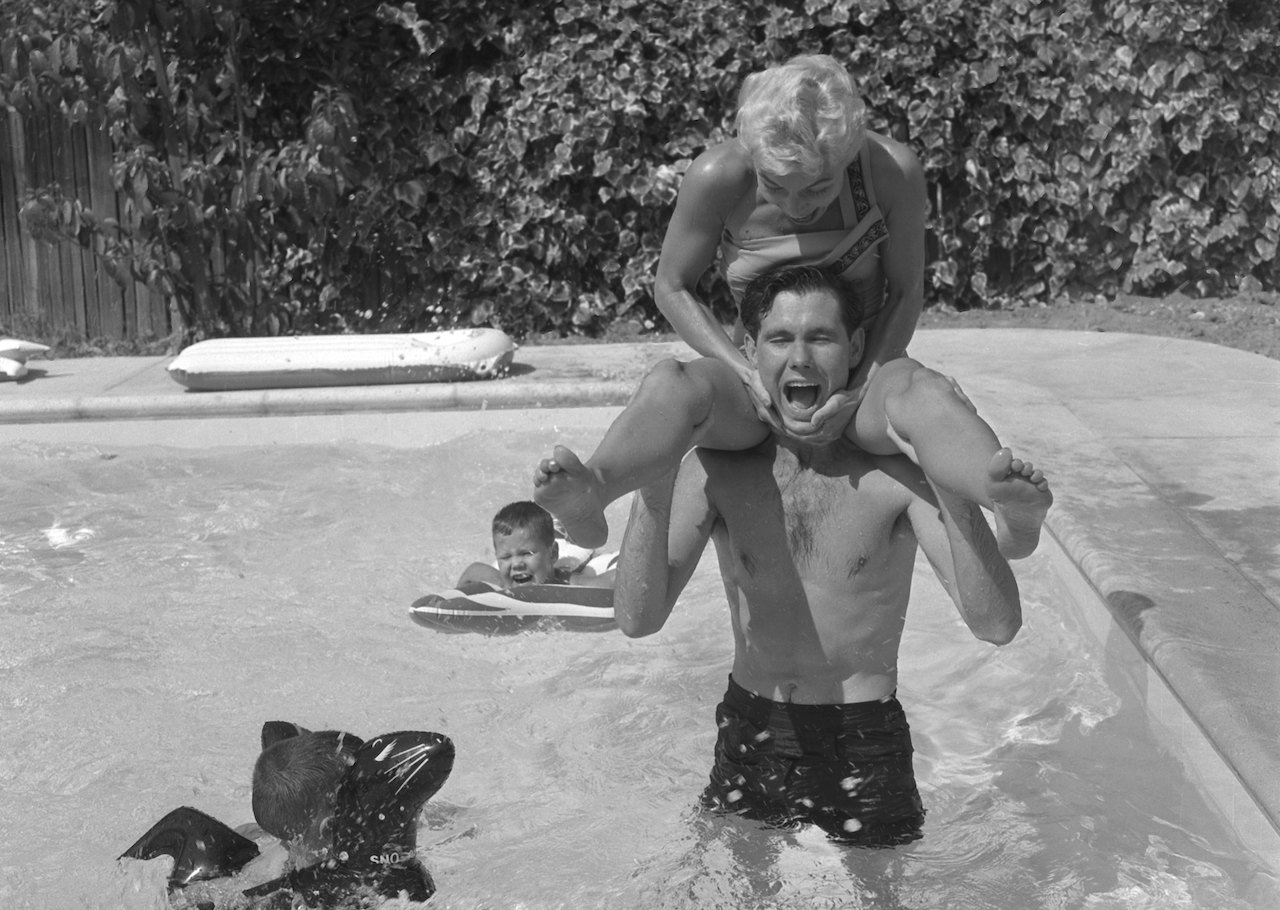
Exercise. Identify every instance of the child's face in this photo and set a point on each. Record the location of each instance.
(523, 559)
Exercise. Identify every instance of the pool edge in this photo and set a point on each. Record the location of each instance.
(1203, 629)
(1173, 726)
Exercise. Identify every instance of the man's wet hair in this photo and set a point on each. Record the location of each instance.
(525, 516)
(764, 289)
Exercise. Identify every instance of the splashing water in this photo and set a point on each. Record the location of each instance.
(218, 590)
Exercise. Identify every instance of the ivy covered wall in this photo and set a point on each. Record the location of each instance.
(400, 166)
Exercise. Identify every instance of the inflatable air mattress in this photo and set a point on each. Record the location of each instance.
(304, 361)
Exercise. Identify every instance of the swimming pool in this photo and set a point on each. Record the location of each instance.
(161, 603)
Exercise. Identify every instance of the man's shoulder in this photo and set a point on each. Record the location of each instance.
(722, 462)
(890, 481)
(901, 470)
(726, 477)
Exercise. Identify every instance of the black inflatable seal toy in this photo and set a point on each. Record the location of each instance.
(201, 846)
(375, 833)
(374, 830)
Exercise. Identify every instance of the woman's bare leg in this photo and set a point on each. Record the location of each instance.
(677, 406)
(915, 410)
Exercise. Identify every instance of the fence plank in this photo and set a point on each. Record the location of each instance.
(23, 247)
(99, 194)
(10, 253)
(70, 256)
(84, 277)
(39, 173)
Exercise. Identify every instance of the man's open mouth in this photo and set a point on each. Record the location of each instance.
(801, 395)
(521, 578)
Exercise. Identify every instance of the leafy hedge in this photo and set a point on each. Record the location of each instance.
(315, 165)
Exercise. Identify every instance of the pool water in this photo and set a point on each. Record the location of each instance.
(159, 604)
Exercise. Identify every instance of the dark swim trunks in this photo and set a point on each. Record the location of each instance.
(845, 768)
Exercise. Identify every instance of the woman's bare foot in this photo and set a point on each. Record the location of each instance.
(570, 491)
(1020, 498)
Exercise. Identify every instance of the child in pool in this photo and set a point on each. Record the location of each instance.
(345, 811)
(295, 789)
(527, 552)
(295, 785)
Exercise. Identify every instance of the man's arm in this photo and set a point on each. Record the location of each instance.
(955, 536)
(669, 526)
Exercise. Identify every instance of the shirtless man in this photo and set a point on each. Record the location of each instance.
(816, 544)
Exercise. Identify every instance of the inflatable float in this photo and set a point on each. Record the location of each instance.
(14, 354)
(305, 361)
(480, 607)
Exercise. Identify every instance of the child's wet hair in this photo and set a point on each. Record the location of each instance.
(297, 779)
(525, 516)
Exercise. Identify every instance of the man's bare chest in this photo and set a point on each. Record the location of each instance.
(813, 521)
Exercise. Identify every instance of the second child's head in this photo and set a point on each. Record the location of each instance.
(524, 542)
(295, 784)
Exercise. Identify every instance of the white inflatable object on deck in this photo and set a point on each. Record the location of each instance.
(303, 361)
(14, 354)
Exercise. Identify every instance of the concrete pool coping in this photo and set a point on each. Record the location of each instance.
(1164, 455)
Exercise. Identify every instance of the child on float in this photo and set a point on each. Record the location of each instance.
(527, 551)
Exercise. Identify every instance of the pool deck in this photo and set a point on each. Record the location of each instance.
(1164, 456)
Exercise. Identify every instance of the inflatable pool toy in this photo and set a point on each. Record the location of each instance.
(576, 560)
(480, 607)
(305, 361)
(375, 825)
(202, 847)
(373, 831)
(14, 354)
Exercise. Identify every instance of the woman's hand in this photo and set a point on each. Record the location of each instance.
(831, 420)
(760, 398)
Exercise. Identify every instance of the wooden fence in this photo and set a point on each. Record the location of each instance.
(61, 291)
